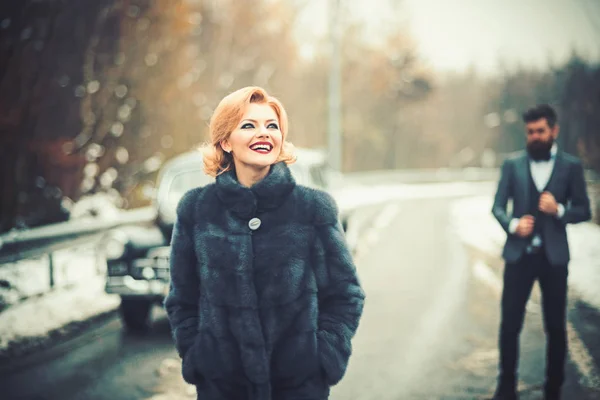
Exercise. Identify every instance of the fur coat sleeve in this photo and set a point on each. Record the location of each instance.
(341, 297)
(181, 303)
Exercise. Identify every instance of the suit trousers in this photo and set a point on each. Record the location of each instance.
(518, 282)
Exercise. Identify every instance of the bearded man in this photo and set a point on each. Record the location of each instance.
(548, 191)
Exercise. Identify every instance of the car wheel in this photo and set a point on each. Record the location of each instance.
(136, 313)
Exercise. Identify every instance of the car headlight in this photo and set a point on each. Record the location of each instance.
(114, 247)
(148, 273)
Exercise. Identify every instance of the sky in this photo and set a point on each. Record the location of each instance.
(452, 35)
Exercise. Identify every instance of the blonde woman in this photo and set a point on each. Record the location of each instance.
(264, 297)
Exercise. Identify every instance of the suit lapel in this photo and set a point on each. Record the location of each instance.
(523, 177)
(551, 186)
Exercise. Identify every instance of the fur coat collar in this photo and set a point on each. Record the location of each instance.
(265, 195)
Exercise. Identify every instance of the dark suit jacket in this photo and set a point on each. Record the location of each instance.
(567, 184)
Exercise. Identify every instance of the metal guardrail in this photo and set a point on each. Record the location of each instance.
(30, 243)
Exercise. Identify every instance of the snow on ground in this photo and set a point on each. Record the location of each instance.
(31, 277)
(472, 218)
(28, 278)
(584, 269)
(477, 227)
(30, 308)
(356, 196)
(35, 317)
(77, 296)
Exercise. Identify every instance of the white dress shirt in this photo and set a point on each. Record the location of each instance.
(540, 172)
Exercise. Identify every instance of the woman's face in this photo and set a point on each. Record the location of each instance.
(256, 141)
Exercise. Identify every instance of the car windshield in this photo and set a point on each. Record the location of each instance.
(180, 183)
(299, 174)
(315, 175)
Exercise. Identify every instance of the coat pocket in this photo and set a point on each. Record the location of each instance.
(295, 358)
(189, 365)
(217, 357)
(334, 352)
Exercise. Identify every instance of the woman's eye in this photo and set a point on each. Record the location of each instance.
(273, 126)
(247, 126)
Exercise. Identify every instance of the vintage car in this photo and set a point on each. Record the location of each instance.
(137, 256)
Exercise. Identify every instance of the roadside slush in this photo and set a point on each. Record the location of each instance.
(40, 322)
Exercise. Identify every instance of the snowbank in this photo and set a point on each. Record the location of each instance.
(356, 196)
(29, 278)
(32, 320)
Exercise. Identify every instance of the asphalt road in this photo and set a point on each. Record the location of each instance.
(429, 329)
(105, 362)
(430, 324)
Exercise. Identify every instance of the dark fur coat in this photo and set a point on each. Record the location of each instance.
(266, 313)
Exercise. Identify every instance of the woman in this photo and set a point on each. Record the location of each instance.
(264, 295)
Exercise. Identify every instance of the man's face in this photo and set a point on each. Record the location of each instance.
(540, 138)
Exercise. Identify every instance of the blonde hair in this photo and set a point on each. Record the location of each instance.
(225, 118)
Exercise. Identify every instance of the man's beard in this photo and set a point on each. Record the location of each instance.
(540, 149)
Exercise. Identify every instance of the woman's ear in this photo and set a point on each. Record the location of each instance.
(226, 146)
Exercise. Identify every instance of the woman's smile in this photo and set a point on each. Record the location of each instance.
(262, 147)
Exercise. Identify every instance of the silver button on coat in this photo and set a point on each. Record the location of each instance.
(254, 223)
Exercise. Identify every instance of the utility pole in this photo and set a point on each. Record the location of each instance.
(334, 112)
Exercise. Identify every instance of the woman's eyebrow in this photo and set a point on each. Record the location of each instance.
(256, 122)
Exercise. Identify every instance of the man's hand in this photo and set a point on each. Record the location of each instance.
(525, 227)
(548, 204)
